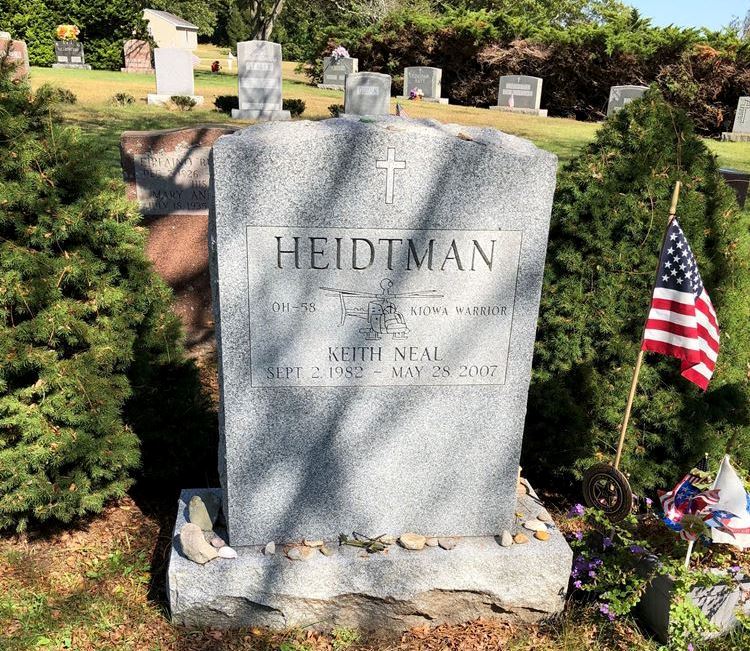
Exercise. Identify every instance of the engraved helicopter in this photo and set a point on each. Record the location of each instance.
(380, 312)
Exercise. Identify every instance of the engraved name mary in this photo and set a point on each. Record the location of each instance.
(380, 307)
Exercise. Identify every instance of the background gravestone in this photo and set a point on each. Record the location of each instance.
(741, 127)
(174, 75)
(137, 55)
(520, 94)
(619, 96)
(367, 93)
(69, 54)
(16, 53)
(376, 288)
(167, 173)
(427, 79)
(335, 71)
(259, 79)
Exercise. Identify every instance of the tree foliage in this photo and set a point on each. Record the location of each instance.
(608, 220)
(78, 303)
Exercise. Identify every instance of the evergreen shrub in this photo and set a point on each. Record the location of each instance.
(296, 107)
(609, 216)
(78, 303)
(225, 103)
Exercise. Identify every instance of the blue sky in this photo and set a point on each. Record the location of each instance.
(691, 13)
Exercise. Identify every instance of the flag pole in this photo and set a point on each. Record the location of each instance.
(639, 359)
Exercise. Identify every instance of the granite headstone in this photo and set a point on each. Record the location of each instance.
(69, 54)
(367, 93)
(335, 71)
(174, 75)
(620, 96)
(259, 79)
(15, 53)
(741, 127)
(426, 79)
(520, 94)
(376, 286)
(167, 173)
(137, 55)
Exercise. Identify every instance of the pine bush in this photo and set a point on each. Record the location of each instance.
(608, 219)
(78, 300)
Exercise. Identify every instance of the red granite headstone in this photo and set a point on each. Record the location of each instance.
(137, 56)
(167, 173)
(15, 53)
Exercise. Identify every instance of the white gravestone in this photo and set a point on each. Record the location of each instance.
(427, 79)
(376, 286)
(741, 127)
(174, 75)
(620, 96)
(520, 94)
(367, 93)
(259, 79)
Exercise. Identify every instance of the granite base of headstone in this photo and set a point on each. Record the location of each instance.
(167, 173)
(620, 96)
(137, 56)
(69, 54)
(259, 81)
(367, 93)
(428, 80)
(738, 181)
(335, 71)
(520, 94)
(174, 76)
(741, 127)
(376, 286)
(384, 593)
(15, 53)
(722, 604)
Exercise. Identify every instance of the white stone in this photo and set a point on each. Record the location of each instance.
(227, 552)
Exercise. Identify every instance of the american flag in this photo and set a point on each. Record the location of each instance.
(684, 500)
(682, 321)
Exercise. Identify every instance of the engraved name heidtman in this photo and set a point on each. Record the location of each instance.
(386, 253)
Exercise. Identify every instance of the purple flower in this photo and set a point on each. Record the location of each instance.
(649, 502)
(604, 610)
(575, 510)
(592, 574)
(637, 549)
(339, 53)
(734, 569)
(578, 535)
(690, 647)
(577, 584)
(607, 542)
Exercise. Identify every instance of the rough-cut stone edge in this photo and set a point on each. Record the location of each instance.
(397, 590)
(730, 136)
(542, 113)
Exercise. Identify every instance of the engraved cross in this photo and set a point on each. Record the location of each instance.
(390, 165)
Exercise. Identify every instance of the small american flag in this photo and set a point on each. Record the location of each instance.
(682, 321)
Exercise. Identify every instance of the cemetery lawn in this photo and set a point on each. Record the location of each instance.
(95, 113)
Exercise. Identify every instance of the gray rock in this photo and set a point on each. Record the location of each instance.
(387, 593)
(227, 552)
(329, 179)
(270, 549)
(448, 543)
(544, 516)
(217, 542)
(194, 545)
(412, 541)
(506, 540)
(199, 515)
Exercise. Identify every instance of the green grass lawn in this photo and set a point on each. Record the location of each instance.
(96, 115)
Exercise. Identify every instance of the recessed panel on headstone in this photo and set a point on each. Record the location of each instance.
(174, 71)
(376, 288)
(367, 93)
(335, 71)
(520, 92)
(620, 96)
(425, 78)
